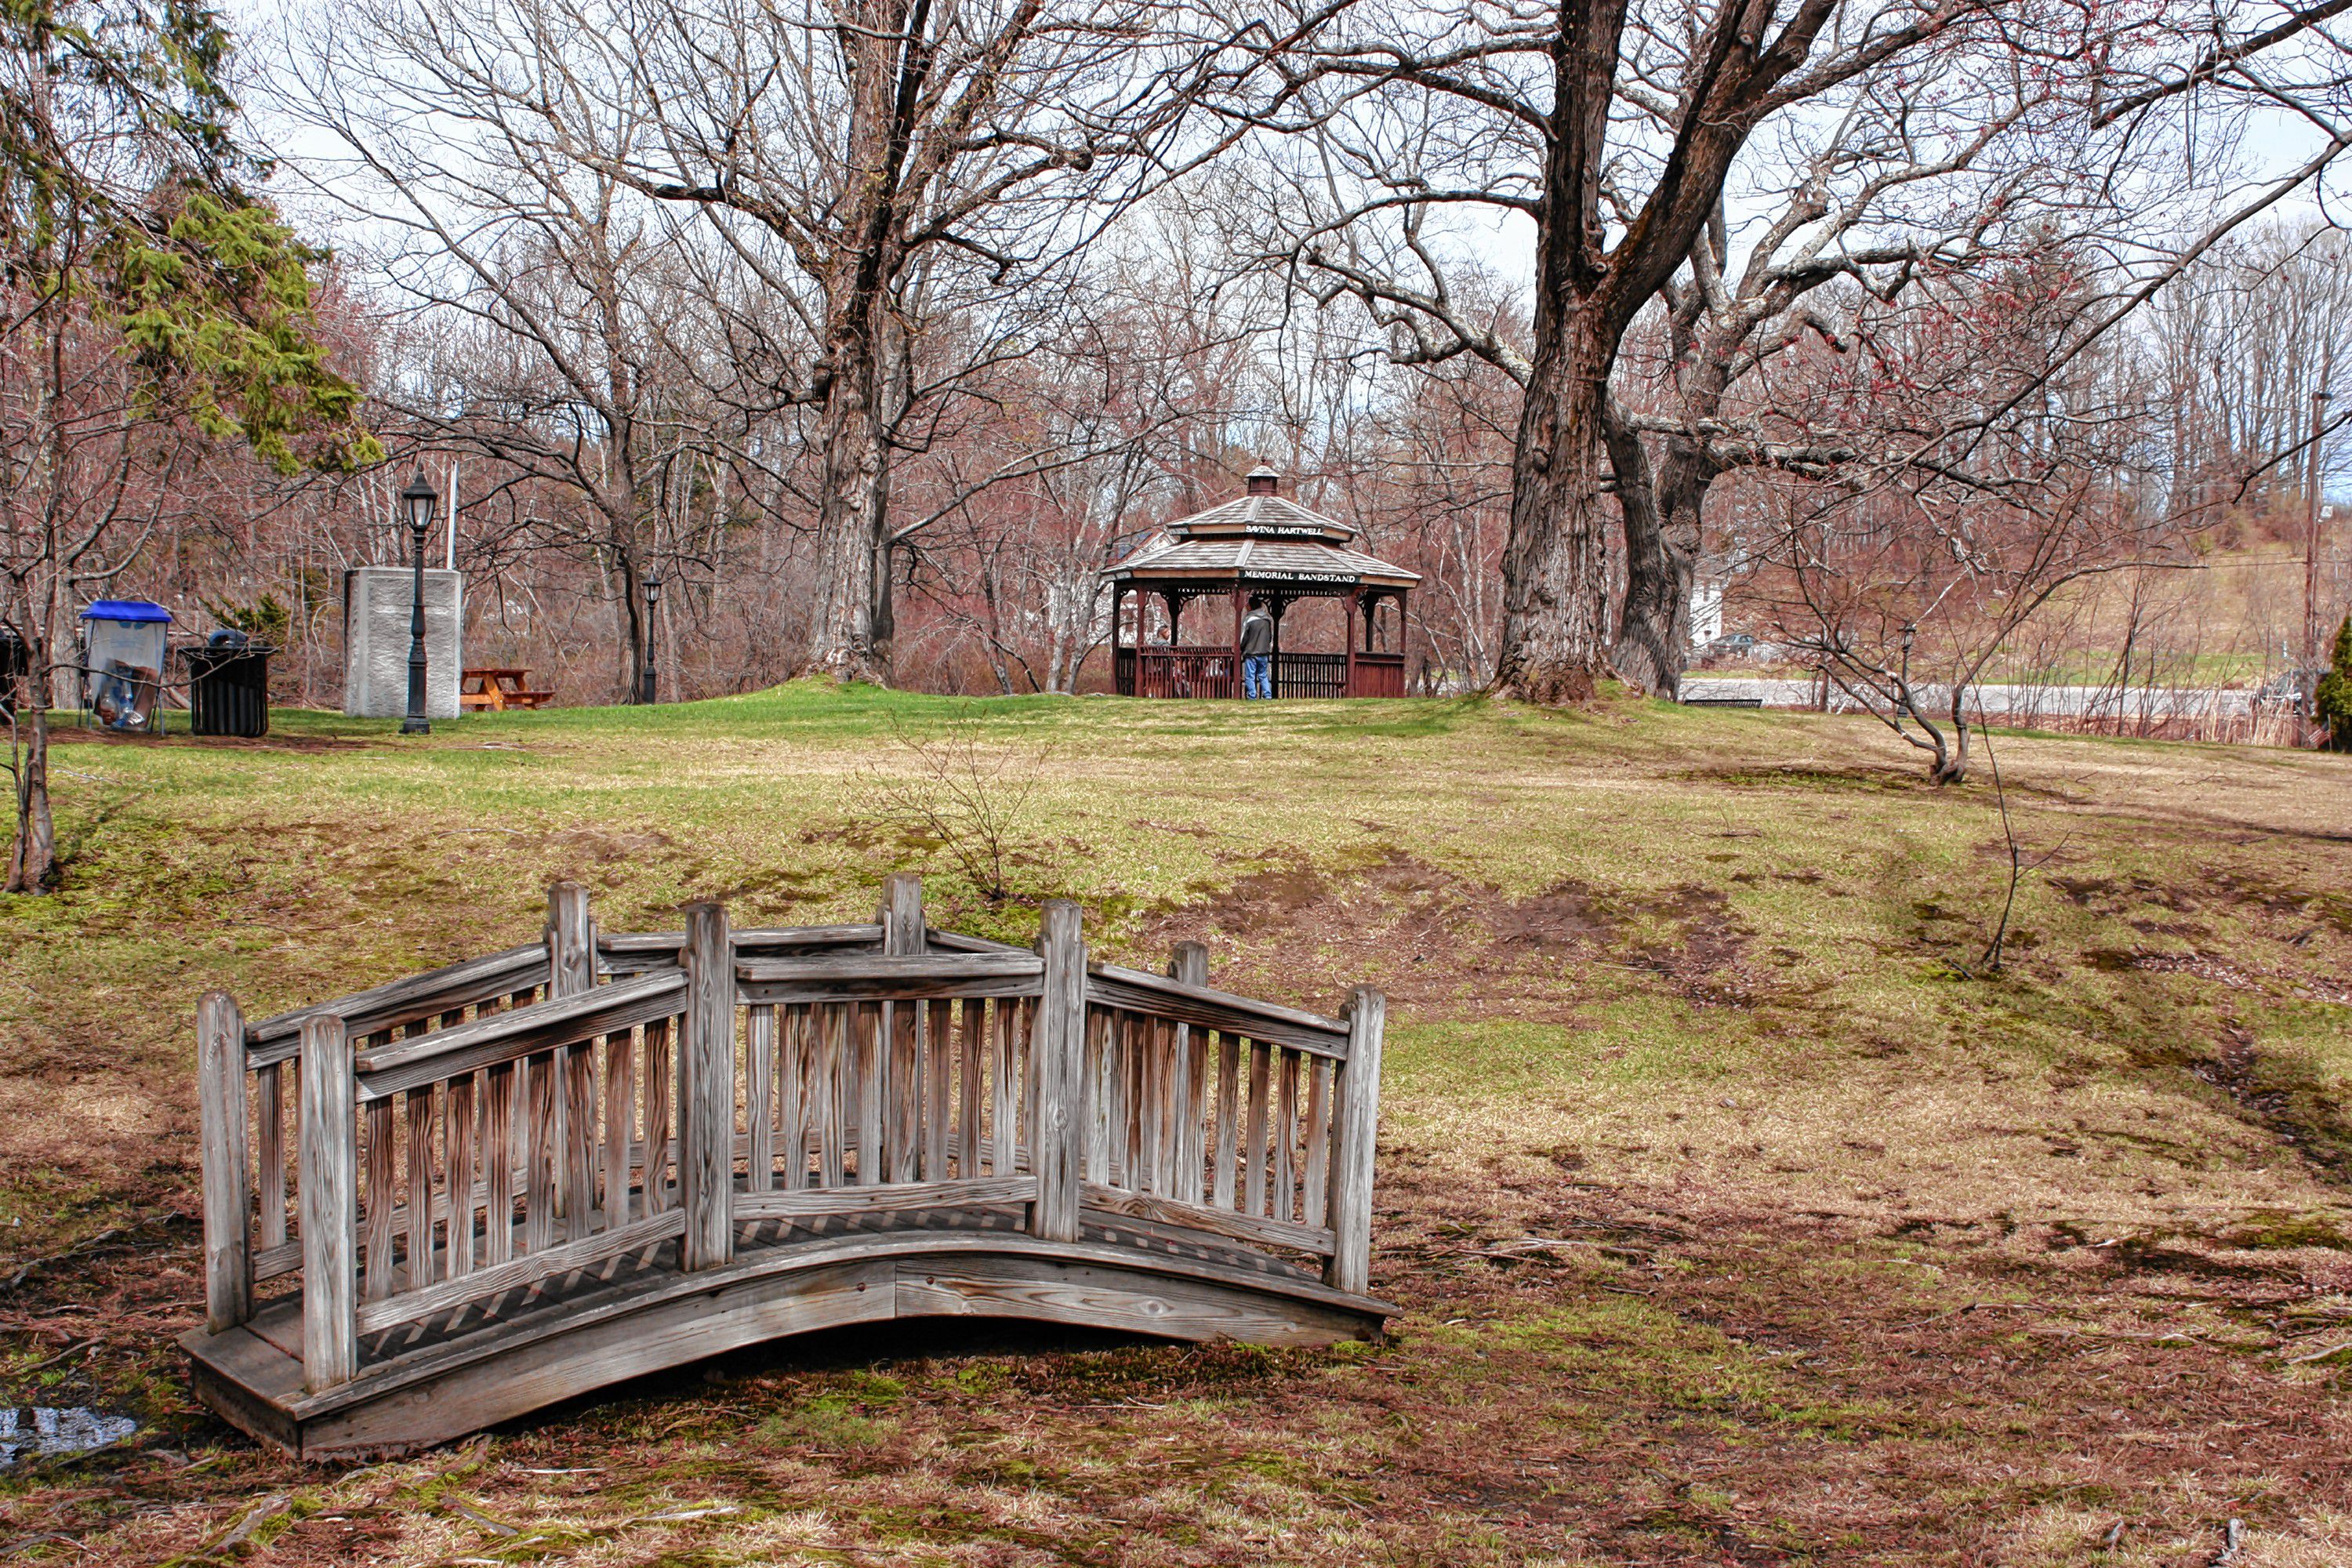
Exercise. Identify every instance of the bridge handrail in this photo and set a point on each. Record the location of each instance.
(489, 1124)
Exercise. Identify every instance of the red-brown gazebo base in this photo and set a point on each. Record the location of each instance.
(1258, 545)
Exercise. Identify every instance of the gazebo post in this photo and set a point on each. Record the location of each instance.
(1240, 607)
(1118, 598)
(1348, 685)
(1274, 665)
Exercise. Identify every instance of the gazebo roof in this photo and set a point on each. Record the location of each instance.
(1259, 540)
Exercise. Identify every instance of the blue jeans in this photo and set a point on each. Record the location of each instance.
(1258, 677)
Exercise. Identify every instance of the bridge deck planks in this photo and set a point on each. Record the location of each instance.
(428, 1381)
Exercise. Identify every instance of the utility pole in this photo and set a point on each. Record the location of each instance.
(2311, 538)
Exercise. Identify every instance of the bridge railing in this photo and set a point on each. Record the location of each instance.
(488, 1126)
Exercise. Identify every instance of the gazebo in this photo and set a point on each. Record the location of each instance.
(1258, 545)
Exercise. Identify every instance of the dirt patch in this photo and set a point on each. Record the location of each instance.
(2291, 1108)
(1445, 946)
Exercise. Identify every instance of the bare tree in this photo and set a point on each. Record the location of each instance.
(1615, 131)
(852, 157)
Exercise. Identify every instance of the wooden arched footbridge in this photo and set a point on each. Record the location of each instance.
(449, 1200)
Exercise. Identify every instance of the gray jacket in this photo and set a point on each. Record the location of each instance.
(1257, 635)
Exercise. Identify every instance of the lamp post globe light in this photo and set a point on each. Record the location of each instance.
(418, 499)
(653, 602)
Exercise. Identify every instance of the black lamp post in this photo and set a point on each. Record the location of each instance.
(419, 499)
(653, 602)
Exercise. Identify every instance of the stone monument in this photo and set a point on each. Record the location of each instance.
(375, 641)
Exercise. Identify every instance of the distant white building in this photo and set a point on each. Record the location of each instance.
(1706, 611)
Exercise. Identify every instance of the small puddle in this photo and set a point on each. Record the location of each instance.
(44, 1431)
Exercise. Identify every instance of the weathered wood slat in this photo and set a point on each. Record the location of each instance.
(891, 1197)
(417, 1109)
(329, 1206)
(581, 1139)
(1314, 1238)
(411, 1305)
(396, 1002)
(1253, 1183)
(833, 1056)
(1286, 1138)
(639, 952)
(620, 1120)
(1355, 1124)
(377, 1281)
(223, 1119)
(758, 1096)
(891, 969)
(873, 1066)
(913, 989)
(706, 1093)
(1314, 1203)
(793, 1074)
(497, 1161)
(969, 1046)
(661, 1092)
(957, 942)
(1226, 1157)
(1152, 1087)
(519, 1032)
(1004, 1095)
(1056, 1078)
(269, 1154)
(938, 1062)
(1100, 1025)
(1127, 1124)
(541, 1155)
(1189, 966)
(1111, 985)
(460, 1134)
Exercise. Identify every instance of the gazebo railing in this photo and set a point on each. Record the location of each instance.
(1178, 672)
(1377, 675)
(1213, 671)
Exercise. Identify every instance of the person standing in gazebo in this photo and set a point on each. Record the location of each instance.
(1257, 651)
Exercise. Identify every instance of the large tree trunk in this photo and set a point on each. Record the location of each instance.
(1555, 637)
(850, 634)
(1662, 514)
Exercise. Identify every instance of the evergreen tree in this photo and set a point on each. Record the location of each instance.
(130, 226)
(2332, 704)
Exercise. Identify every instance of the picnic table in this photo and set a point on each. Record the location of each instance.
(497, 689)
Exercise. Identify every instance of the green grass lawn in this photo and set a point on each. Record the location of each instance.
(1737, 1212)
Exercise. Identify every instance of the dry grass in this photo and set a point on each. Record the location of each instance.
(1731, 1224)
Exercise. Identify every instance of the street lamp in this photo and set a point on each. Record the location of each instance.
(418, 499)
(653, 602)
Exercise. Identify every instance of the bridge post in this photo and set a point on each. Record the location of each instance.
(902, 914)
(900, 1053)
(705, 1090)
(570, 942)
(1355, 1122)
(330, 1211)
(1190, 965)
(1057, 1074)
(227, 1162)
(571, 972)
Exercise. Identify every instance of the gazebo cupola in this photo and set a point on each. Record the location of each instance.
(1258, 545)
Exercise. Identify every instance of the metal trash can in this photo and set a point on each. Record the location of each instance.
(122, 664)
(228, 686)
